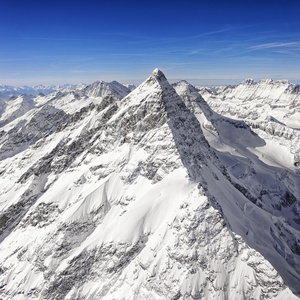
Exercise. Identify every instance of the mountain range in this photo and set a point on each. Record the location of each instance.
(163, 191)
(7, 91)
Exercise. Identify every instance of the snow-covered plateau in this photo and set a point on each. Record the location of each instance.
(158, 192)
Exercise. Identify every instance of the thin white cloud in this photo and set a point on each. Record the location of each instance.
(273, 45)
(208, 33)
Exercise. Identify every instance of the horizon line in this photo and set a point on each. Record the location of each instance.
(137, 81)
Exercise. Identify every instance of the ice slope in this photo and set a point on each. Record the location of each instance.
(131, 199)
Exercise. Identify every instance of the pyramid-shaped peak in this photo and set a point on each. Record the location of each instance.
(157, 71)
(159, 75)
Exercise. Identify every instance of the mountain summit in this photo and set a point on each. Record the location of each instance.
(159, 75)
(149, 196)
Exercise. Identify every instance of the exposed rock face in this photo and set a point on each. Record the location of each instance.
(148, 197)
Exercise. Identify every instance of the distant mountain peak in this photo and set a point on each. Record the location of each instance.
(249, 81)
(184, 86)
(266, 81)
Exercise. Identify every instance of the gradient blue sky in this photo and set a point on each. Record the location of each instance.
(204, 42)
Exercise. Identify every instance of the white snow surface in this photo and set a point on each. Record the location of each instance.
(109, 193)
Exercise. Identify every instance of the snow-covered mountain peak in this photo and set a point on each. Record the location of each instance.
(145, 105)
(249, 81)
(152, 87)
(266, 82)
(103, 89)
(159, 75)
(276, 82)
(7, 91)
(184, 87)
(157, 72)
(150, 196)
(254, 100)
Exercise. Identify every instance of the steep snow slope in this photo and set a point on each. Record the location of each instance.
(15, 108)
(131, 199)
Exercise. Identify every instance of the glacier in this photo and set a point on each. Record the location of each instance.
(154, 192)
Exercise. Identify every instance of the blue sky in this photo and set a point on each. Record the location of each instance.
(204, 42)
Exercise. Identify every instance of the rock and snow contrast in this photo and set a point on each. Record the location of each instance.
(150, 193)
